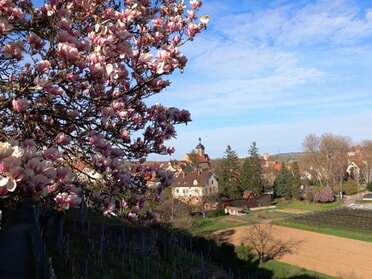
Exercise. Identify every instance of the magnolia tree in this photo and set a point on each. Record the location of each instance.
(325, 195)
(75, 75)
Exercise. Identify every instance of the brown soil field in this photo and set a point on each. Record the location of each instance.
(332, 255)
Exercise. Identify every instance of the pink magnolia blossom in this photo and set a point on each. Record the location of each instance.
(195, 4)
(97, 197)
(62, 138)
(192, 29)
(191, 14)
(67, 200)
(96, 69)
(64, 24)
(68, 51)
(170, 150)
(35, 41)
(6, 149)
(204, 19)
(50, 153)
(109, 208)
(20, 105)
(81, 90)
(133, 217)
(43, 66)
(14, 50)
(150, 214)
(11, 173)
(5, 27)
(124, 204)
(41, 83)
(65, 176)
(55, 90)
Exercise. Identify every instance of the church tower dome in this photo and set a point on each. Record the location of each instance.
(199, 149)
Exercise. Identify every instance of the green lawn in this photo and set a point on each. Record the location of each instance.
(268, 214)
(308, 206)
(282, 270)
(204, 225)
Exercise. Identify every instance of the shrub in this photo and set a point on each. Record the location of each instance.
(308, 193)
(350, 187)
(217, 213)
(244, 252)
(369, 186)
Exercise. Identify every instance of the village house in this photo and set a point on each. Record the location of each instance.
(245, 203)
(357, 167)
(356, 163)
(195, 188)
(270, 168)
(173, 166)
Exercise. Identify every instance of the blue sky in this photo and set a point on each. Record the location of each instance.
(274, 72)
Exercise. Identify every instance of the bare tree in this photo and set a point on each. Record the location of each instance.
(310, 160)
(366, 161)
(325, 158)
(175, 212)
(209, 202)
(333, 151)
(260, 238)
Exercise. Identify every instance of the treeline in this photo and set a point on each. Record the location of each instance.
(235, 177)
(327, 160)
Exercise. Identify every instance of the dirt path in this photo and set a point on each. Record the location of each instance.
(336, 256)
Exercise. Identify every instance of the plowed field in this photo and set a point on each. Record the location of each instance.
(332, 255)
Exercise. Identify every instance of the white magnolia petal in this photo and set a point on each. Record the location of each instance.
(4, 181)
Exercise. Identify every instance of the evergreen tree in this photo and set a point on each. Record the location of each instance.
(282, 183)
(228, 173)
(296, 180)
(287, 182)
(250, 176)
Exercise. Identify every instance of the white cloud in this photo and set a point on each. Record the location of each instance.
(301, 23)
(271, 138)
(275, 72)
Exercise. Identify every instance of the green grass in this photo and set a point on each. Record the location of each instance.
(268, 214)
(282, 270)
(308, 206)
(204, 225)
(325, 230)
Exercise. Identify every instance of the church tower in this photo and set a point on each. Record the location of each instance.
(199, 149)
(198, 156)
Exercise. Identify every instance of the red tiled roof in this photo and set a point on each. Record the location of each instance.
(186, 179)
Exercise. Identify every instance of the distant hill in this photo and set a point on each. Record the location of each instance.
(287, 156)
